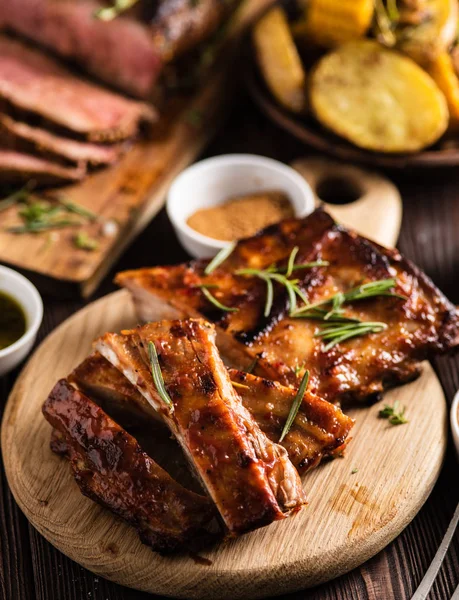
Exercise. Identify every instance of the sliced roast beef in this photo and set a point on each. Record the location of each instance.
(34, 85)
(16, 167)
(121, 52)
(21, 137)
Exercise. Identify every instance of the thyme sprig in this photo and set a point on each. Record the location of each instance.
(386, 19)
(219, 258)
(205, 290)
(361, 292)
(281, 275)
(108, 13)
(158, 376)
(395, 414)
(295, 406)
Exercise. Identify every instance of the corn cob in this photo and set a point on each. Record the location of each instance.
(279, 60)
(330, 23)
(442, 72)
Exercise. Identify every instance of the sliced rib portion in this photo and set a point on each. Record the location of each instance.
(121, 53)
(35, 86)
(99, 379)
(111, 469)
(250, 479)
(319, 430)
(424, 324)
(21, 137)
(16, 167)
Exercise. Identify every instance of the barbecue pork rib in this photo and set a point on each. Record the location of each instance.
(250, 479)
(24, 138)
(319, 430)
(110, 467)
(359, 369)
(34, 87)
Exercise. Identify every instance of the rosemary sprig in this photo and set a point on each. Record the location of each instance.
(219, 258)
(158, 376)
(295, 406)
(252, 365)
(14, 198)
(109, 13)
(335, 333)
(362, 292)
(204, 289)
(281, 275)
(394, 414)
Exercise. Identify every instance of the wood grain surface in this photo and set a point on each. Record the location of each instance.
(350, 516)
(32, 569)
(131, 192)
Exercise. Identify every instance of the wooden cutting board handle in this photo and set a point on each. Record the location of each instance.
(358, 198)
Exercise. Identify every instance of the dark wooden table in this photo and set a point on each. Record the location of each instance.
(31, 569)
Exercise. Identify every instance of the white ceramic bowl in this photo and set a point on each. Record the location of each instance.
(455, 421)
(212, 181)
(26, 294)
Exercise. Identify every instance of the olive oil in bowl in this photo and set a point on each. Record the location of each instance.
(12, 320)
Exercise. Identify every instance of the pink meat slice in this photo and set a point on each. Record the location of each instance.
(121, 52)
(36, 84)
(16, 167)
(21, 137)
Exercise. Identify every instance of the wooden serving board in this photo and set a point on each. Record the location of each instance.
(131, 192)
(350, 517)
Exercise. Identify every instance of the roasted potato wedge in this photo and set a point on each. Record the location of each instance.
(279, 60)
(443, 73)
(377, 98)
(329, 23)
(423, 42)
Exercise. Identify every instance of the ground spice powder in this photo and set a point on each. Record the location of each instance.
(243, 216)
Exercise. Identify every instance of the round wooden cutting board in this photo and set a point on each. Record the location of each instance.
(357, 504)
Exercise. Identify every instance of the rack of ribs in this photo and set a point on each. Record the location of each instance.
(110, 468)
(319, 430)
(417, 327)
(249, 478)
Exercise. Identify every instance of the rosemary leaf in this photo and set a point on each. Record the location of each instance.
(14, 198)
(219, 258)
(336, 333)
(84, 242)
(354, 471)
(109, 13)
(252, 365)
(158, 376)
(291, 261)
(295, 406)
(240, 385)
(78, 210)
(215, 302)
(39, 227)
(394, 415)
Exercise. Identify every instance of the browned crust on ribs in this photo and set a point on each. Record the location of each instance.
(360, 369)
(110, 468)
(250, 479)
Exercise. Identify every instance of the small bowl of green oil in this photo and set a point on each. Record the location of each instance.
(21, 314)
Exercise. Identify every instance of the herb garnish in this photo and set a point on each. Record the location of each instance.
(281, 275)
(252, 365)
(386, 19)
(335, 333)
(240, 385)
(354, 471)
(205, 290)
(109, 13)
(78, 210)
(361, 292)
(295, 406)
(394, 414)
(158, 376)
(14, 198)
(219, 258)
(84, 242)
